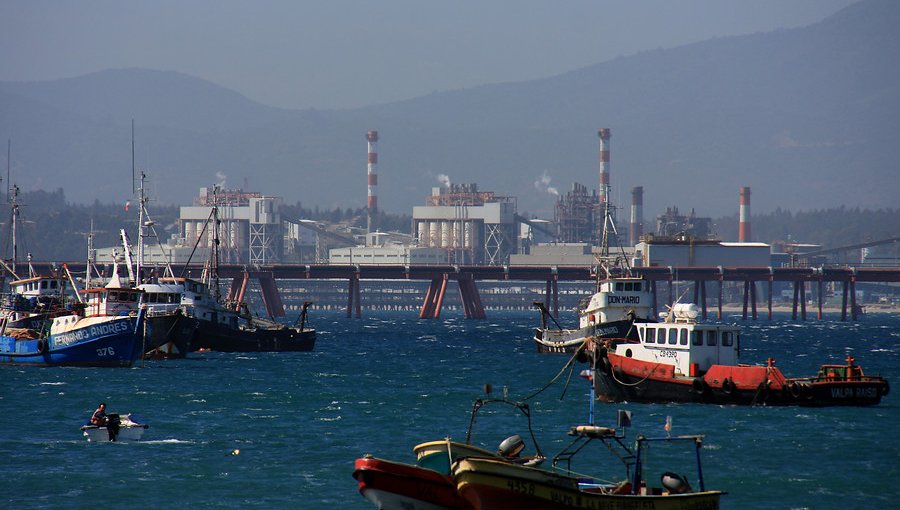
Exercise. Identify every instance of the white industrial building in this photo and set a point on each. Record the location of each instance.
(702, 254)
(471, 226)
(388, 254)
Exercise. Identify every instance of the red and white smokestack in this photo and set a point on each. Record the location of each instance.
(637, 214)
(744, 226)
(604, 134)
(372, 202)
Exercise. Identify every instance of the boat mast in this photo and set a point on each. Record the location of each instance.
(214, 260)
(15, 219)
(142, 200)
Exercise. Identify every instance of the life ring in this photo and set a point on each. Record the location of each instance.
(699, 385)
(728, 386)
(42, 346)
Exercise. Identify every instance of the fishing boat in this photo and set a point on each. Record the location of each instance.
(119, 427)
(619, 301)
(611, 312)
(170, 331)
(681, 360)
(489, 484)
(427, 484)
(228, 325)
(74, 340)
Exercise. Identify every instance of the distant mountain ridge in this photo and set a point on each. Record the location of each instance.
(807, 117)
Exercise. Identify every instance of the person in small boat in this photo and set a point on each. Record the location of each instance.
(99, 417)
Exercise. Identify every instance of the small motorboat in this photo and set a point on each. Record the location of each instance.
(119, 427)
(491, 484)
(428, 484)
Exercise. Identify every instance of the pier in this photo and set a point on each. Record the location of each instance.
(803, 280)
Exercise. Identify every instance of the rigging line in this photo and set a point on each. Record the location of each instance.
(196, 244)
(557, 376)
(612, 374)
(566, 386)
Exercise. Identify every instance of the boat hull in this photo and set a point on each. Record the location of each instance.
(567, 341)
(129, 430)
(491, 485)
(397, 486)
(222, 338)
(111, 343)
(619, 379)
(169, 335)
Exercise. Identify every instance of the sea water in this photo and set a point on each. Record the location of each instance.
(282, 430)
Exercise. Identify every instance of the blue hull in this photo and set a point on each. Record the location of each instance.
(109, 344)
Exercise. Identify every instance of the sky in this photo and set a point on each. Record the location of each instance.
(339, 54)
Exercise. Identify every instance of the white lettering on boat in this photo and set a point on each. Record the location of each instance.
(94, 331)
(868, 392)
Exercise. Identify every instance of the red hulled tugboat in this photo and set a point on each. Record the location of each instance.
(680, 360)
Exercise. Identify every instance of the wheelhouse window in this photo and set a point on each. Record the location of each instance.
(682, 336)
(661, 336)
(696, 337)
(727, 339)
(711, 338)
(620, 286)
(673, 336)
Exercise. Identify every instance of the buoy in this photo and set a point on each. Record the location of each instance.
(235, 452)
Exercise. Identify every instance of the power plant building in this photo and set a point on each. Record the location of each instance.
(250, 230)
(471, 226)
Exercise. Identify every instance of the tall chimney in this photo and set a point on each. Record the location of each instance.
(604, 134)
(744, 226)
(637, 214)
(372, 202)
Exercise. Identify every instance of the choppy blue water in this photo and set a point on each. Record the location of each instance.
(388, 381)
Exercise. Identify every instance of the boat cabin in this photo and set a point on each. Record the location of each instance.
(36, 287)
(615, 299)
(683, 342)
(106, 301)
(163, 297)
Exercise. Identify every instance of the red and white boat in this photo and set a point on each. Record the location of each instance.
(681, 360)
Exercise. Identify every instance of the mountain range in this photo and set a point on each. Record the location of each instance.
(807, 117)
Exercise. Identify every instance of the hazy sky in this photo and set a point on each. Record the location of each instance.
(342, 54)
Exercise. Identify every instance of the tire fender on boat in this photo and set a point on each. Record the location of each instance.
(43, 346)
(699, 385)
(762, 391)
(728, 386)
(794, 388)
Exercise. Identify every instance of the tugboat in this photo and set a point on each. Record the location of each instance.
(680, 360)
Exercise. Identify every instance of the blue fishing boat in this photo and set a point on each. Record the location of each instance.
(106, 341)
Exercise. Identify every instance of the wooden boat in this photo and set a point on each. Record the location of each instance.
(681, 360)
(488, 484)
(427, 484)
